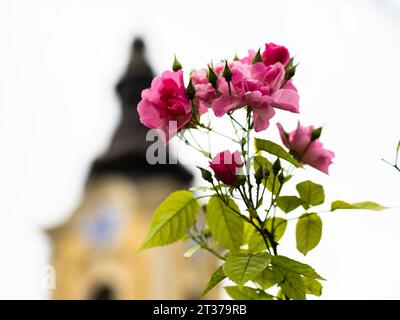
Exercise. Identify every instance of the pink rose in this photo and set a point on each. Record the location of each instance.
(306, 151)
(227, 166)
(274, 53)
(164, 105)
(258, 86)
(205, 92)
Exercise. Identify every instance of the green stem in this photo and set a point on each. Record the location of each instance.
(205, 246)
(233, 119)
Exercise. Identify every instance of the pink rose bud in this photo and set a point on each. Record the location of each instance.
(306, 147)
(227, 167)
(274, 53)
(165, 105)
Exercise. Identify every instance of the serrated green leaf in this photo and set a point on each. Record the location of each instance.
(311, 194)
(216, 278)
(248, 232)
(266, 279)
(247, 293)
(312, 286)
(308, 232)
(365, 205)
(275, 149)
(280, 295)
(291, 284)
(290, 265)
(288, 203)
(256, 243)
(272, 182)
(172, 219)
(275, 226)
(225, 225)
(242, 267)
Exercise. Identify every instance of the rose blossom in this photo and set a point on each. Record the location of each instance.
(205, 92)
(306, 151)
(258, 86)
(165, 105)
(227, 166)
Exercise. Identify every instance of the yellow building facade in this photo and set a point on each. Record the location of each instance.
(95, 252)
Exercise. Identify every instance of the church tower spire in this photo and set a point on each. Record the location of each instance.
(126, 154)
(93, 250)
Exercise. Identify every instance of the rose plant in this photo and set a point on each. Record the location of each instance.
(246, 209)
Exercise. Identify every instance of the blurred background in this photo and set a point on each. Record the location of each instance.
(60, 62)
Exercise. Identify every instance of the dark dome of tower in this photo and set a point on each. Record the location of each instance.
(127, 152)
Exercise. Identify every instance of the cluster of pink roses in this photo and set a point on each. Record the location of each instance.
(260, 81)
(257, 83)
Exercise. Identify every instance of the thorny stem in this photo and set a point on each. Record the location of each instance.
(249, 220)
(248, 160)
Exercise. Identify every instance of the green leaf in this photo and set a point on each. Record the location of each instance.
(291, 284)
(172, 219)
(288, 203)
(272, 182)
(256, 243)
(312, 286)
(275, 226)
(216, 278)
(280, 295)
(191, 251)
(290, 265)
(248, 233)
(275, 149)
(247, 293)
(366, 205)
(311, 193)
(225, 225)
(242, 267)
(308, 232)
(266, 279)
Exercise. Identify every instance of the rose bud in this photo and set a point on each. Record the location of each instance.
(274, 53)
(227, 167)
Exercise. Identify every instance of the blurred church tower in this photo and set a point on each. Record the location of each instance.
(94, 252)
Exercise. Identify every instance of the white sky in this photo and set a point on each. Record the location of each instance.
(59, 61)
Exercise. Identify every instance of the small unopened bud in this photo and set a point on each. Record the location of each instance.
(316, 134)
(253, 213)
(206, 175)
(236, 58)
(266, 173)
(281, 178)
(240, 180)
(276, 167)
(176, 65)
(190, 90)
(290, 70)
(257, 57)
(207, 233)
(259, 175)
(227, 73)
(212, 77)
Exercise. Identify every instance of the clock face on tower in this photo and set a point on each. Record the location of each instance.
(102, 225)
